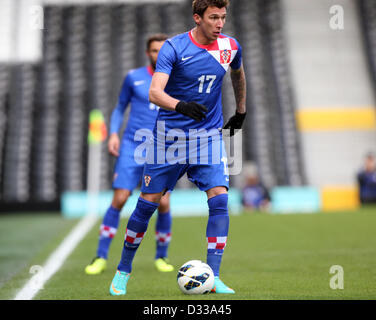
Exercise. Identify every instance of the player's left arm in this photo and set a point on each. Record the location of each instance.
(240, 89)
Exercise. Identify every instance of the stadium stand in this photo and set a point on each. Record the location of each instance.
(367, 11)
(292, 172)
(74, 102)
(274, 144)
(333, 90)
(45, 132)
(87, 50)
(4, 83)
(18, 139)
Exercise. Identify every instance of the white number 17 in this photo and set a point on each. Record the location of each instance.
(210, 78)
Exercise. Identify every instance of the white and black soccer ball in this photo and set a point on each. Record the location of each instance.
(195, 277)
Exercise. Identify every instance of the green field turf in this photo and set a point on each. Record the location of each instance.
(26, 240)
(267, 257)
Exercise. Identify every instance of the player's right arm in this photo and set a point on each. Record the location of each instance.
(117, 116)
(166, 59)
(114, 144)
(157, 95)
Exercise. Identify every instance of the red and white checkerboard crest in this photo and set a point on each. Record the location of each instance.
(134, 237)
(223, 50)
(147, 180)
(225, 56)
(216, 242)
(107, 231)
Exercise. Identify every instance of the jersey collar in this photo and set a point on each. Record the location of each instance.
(150, 70)
(211, 46)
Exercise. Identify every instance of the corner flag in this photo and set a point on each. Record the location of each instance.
(97, 127)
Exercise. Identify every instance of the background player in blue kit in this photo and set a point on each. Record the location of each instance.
(187, 86)
(128, 171)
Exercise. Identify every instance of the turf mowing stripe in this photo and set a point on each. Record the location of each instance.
(57, 258)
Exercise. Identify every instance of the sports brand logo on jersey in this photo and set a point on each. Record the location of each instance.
(225, 56)
(139, 82)
(147, 180)
(152, 106)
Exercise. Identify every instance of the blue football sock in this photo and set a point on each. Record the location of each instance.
(136, 228)
(163, 234)
(217, 231)
(107, 231)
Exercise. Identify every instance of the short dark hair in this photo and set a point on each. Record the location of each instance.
(155, 37)
(199, 6)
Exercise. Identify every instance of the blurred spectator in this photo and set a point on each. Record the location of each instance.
(255, 196)
(367, 180)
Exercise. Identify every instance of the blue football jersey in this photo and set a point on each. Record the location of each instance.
(196, 73)
(135, 90)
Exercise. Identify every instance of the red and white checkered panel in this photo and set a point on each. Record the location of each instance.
(107, 231)
(134, 237)
(163, 237)
(223, 50)
(216, 242)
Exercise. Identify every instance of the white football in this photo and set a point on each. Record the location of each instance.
(195, 277)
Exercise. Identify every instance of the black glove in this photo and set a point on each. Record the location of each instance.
(192, 109)
(235, 122)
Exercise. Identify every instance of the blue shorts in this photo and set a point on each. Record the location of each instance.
(157, 177)
(204, 172)
(127, 172)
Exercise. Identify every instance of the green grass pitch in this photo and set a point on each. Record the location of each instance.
(267, 257)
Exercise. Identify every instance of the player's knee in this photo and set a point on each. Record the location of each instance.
(120, 198)
(218, 204)
(213, 192)
(163, 207)
(164, 204)
(151, 197)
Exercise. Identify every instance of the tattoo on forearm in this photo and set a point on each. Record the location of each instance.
(239, 85)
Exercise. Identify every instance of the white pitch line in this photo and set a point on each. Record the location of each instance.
(57, 258)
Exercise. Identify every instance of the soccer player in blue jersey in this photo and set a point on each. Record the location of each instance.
(129, 165)
(187, 86)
